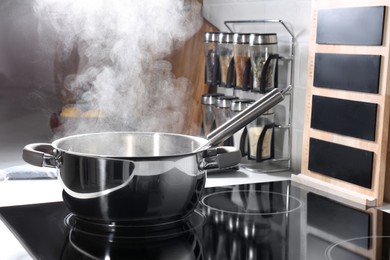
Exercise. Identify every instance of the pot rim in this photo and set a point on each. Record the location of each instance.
(57, 145)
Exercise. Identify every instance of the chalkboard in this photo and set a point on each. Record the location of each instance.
(341, 162)
(345, 117)
(351, 26)
(354, 72)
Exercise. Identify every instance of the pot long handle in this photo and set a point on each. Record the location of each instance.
(244, 117)
(40, 154)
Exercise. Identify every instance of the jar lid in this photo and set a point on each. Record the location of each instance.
(241, 104)
(226, 37)
(263, 38)
(209, 98)
(241, 38)
(224, 101)
(211, 36)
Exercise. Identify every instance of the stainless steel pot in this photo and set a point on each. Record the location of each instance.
(140, 177)
(131, 176)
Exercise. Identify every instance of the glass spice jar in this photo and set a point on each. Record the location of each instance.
(241, 60)
(263, 51)
(240, 138)
(211, 58)
(208, 102)
(222, 113)
(260, 134)
(226, 62)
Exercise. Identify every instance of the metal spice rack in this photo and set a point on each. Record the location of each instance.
(282, 163)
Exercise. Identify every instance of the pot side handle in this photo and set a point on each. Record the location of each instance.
(40, 154)
(221, 157)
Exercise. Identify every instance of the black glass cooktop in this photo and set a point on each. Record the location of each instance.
(275, 220)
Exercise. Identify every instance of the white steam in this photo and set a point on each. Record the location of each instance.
(120, 69)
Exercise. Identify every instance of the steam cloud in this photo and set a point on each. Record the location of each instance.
(121, 71)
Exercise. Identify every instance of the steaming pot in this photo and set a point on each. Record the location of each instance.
(141, 177)
(131, 176)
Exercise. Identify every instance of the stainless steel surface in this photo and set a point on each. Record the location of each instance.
(243, 118)
(226, 37)
(209, 98)
(241, 38)
(129, 144)
(211, 37)
(263, 38)
(259, 21)
(131, 176)
(288, 56)
(39, 154)
(224, 101)
(239, 105)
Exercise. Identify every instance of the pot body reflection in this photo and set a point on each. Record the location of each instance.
(177, 240)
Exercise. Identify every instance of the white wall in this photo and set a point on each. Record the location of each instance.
(296, 14)
(27, 91)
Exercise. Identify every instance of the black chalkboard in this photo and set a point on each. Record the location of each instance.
(351, 26)
(341, 162)
(338, 219)
(347, 72)
(345, 117)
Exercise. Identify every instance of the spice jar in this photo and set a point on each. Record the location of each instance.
(222, 113)
(241, 60)
(222, 109)
(208, 101)
(240, 138)
(260, 134)
(226, 62)
(263, 50)
(211, 58)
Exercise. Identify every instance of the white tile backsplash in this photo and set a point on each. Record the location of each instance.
(301, 66)
(296, 14)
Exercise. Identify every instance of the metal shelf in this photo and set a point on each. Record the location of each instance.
(289, 57)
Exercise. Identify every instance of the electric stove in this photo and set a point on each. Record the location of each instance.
(275, 220)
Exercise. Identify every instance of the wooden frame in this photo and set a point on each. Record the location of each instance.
(374, 196)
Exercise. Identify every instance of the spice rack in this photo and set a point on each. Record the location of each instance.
(283, 111)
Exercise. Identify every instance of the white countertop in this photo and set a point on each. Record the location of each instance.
(20, 192)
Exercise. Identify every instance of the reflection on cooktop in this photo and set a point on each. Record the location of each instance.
(250, 202)
(175, 240)
(346, 250)
(276, 220)
(118, 232)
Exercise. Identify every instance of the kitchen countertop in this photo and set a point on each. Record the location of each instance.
(21, 192)
(33, 191)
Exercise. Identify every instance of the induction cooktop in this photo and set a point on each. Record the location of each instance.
(275, 220)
